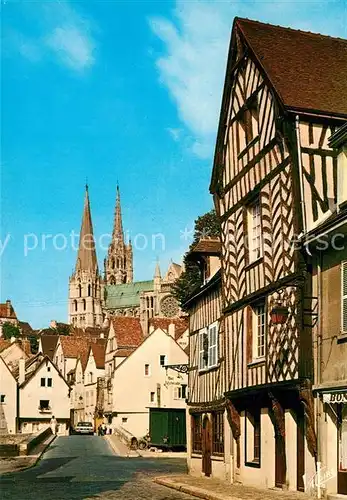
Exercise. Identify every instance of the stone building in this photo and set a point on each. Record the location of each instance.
(94, 299)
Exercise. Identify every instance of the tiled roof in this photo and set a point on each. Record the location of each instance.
(307, 70)
(99, 354)
(25, 328)
(209, 246)
(74, 346)
(128, 331)
(123, 353)
(49, 343)
(181, 325)
(127, 295)
(7, 311)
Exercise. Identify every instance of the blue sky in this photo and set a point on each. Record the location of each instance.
(108, 91)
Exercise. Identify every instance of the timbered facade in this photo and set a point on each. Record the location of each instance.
(207, 428)
(274, 179)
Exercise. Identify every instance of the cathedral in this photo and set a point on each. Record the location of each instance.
(94, 298)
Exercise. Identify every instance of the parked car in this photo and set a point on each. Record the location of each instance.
(84, 428)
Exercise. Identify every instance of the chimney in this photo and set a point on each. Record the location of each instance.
(171, 330)
(53, 324)
(21, 366)
(8, 308)
(13, 339)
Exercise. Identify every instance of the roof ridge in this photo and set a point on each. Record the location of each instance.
(287, 28)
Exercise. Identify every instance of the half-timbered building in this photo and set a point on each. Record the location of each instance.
(274, 179)
(207, 428)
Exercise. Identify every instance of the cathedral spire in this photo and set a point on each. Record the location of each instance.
(86, 258)
(118, 224)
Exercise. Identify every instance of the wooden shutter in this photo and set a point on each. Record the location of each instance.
(249, 340)
(344, 297)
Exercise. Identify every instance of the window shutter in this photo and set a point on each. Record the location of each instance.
(201, 349)
(344, 297)
(249, 339)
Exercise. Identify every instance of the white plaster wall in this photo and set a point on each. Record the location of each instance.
(8, 409)
(58, 395)
(263, 477)
(132, 388)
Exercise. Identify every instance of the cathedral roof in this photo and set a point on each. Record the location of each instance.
(86, 258)
(127, 295)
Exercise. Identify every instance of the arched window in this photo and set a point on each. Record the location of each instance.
(75, 305)
(79, 290)
(84, 304)
(112, 263)
(112, 280)
(147, 302)
(119, 263)
(89, 290)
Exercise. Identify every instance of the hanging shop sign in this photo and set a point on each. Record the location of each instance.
(335, 397)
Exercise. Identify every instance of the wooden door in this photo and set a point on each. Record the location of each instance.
(280, 461)
(206, 446)
(342, 450)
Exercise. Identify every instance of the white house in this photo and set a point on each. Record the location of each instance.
(43, 393)
(12, 351)
(95, 369)
(77, 392)
(140, 381)
(8, 400)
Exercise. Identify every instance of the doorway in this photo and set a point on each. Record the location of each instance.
(206, 446)
(342, 450)
(280, 461)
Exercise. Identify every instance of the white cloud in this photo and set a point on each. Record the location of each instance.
(196, 42)
(61, 32)
(175, 133)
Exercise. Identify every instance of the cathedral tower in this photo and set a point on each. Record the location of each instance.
(119, 260)
(85, 283)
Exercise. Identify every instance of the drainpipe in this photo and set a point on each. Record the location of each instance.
(301, 180)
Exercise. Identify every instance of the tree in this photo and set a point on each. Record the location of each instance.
(34, 343)
(205, 226)
(9, 330)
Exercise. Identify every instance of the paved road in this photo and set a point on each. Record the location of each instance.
(84, 467)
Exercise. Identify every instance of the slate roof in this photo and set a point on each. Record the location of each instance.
(307, 70)
(7, 311)
(127, 295)
(128, 331)
(49, 343)
(181, 325)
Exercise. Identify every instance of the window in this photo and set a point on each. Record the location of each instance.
(208, 347)
(75, 305)
(342, 414)
(162, 360)
(43, 382)
(35, 426)
(147, 371)
(2, 398)
(344, 297)
(259, 330)
(218, 433)
(196, 433)
(48, 368)
(252, 441)
(152, 397)
(44, 404)
(254, 232)
(49, 382)
(180, 392)
(84, 304)
(124, 420)
(248, 129)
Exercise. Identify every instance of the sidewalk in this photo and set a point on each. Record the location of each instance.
(122, 450)
(214, 489)
(16, 464)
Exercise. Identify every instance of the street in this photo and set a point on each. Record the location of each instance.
(84, 467)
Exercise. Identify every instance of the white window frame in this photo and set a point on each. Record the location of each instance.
(213, 345)
(344, 298)
(178, 392)
(202, 362)
(255, 237)
(259, 331)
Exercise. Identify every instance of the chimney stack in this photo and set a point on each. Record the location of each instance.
(8, 308)
(53, 324)
(21, 365)
(171, 330)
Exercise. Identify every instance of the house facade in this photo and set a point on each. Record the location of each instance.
(8, 400)
(326, 246)
(274, 176)
(43, 393)
(143, 373)
(208, 431)
(94, 371)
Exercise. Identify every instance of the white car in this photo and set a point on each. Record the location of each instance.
(84, 428)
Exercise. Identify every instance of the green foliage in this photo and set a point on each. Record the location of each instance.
(34, 343)
(205, 226)
(9, 330)
(62, 329)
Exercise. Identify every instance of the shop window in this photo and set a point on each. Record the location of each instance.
(252, 441)
(196, 433)
(218, 433)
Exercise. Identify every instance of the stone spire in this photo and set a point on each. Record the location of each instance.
(118, 223)
(119, 260)
(86, 258)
